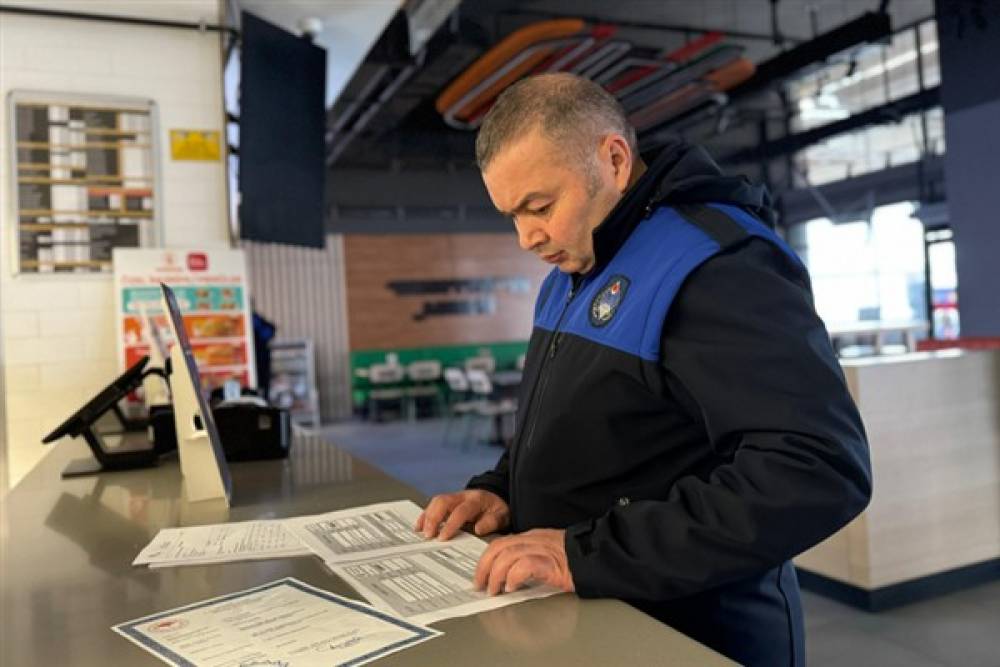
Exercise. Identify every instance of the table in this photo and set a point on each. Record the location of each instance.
(66, 548)
(878, 330)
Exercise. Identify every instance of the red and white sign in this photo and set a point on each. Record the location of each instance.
(211, 290)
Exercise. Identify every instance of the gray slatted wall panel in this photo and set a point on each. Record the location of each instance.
(302, 291)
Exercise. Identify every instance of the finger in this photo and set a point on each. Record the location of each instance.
(523, 571)
(435, 513)
(461, 515)
(419, 525)
(488, 523)
(486, 560)
(502, 565)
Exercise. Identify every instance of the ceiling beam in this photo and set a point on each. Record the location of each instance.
(867, 28)
(893, 112)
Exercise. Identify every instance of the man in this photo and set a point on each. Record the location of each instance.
(684, 428)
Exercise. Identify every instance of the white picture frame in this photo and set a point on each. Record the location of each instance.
(149, 152)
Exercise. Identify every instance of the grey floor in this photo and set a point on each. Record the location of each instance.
(958, 630)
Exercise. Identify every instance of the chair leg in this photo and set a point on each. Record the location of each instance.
(448, 420)
(482, 430)
(467, 423)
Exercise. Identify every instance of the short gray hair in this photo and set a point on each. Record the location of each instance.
(572, 111)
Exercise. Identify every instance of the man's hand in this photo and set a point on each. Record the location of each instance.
(485, 510)
(511, 562)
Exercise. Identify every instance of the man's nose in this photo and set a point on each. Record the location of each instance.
(529, 236)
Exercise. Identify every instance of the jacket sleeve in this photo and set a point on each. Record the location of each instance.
(496, 480)
(744, 350)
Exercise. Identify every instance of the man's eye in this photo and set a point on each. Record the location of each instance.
(542, 211)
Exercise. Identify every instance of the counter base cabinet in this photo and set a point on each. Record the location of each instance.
(905, 592)
(933, 525)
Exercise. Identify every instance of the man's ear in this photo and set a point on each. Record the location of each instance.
(620, 157)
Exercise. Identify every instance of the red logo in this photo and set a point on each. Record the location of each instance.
(616, 287)
(197, 261)
(168, 625)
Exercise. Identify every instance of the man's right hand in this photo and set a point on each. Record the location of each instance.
(487, 511)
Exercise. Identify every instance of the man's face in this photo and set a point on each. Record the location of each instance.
(555, 204)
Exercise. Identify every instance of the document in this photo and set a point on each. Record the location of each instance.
(429, 585)
(373, 548)
(362, 532)
(221, 543)
(286, 622)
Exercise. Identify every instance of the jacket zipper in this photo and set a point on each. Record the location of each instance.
(536, 397)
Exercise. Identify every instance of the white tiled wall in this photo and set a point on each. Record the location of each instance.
(58, 332)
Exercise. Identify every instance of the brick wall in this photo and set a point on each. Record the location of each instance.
(57, 331)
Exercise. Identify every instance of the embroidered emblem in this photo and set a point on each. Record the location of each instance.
(605, 304)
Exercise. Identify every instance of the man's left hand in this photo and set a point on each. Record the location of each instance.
(511, 562)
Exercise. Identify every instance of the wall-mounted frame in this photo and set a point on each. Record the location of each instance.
(85, 180)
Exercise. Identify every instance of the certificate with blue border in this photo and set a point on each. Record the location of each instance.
(285, 623)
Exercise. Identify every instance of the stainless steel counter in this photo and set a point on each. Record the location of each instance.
(66, 548)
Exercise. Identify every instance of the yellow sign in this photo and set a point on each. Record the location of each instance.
(195, 145)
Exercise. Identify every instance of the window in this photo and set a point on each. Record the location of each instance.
(929, 53)
(868, 77)
(864, 271)
(870, 149)
(935, 131)
(944, 284)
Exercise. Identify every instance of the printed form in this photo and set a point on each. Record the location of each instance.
(377, 552)
(221, 543)
(372, 530)
(429, 585)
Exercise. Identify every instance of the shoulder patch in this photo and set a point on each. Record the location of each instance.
(605, 304)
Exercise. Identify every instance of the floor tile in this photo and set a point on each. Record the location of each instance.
(842, 644)
(950, 629)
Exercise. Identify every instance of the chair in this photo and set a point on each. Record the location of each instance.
(483, 363)
(385, 380)
(424, 376)
(479, 381)
(486, 406)
(458, 384)
(459, 403)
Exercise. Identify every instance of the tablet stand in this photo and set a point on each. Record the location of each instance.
(116, 441)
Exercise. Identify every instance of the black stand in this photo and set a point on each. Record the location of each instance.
(117, 442)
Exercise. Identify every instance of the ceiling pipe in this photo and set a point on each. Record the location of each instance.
(645, 25)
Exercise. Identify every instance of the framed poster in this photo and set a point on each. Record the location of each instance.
(85, 180)
(211, 291)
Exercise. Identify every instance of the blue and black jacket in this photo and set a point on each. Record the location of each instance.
(683, 415)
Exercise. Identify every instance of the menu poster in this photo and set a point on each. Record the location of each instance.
(210, 286)
(84, 180)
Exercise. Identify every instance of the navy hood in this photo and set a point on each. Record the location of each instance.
(681, 174)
